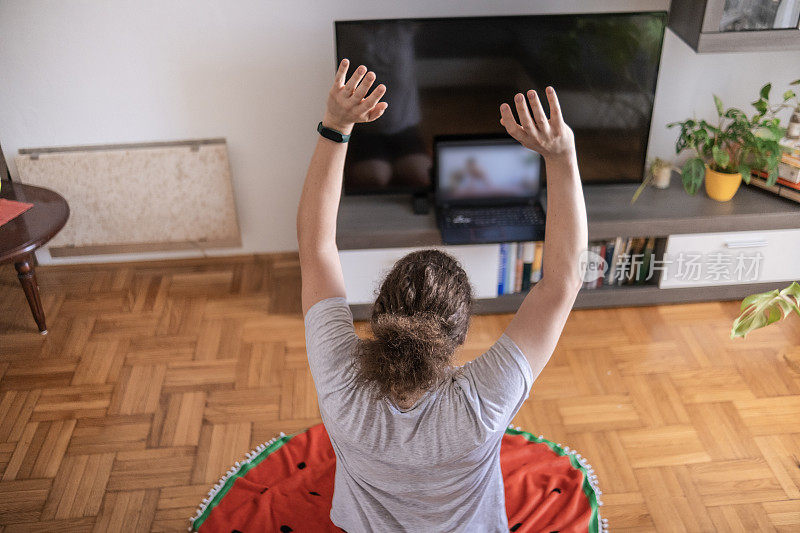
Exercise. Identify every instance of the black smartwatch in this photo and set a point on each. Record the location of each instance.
(333, 135)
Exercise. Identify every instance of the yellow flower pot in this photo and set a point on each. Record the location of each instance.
(721, 186)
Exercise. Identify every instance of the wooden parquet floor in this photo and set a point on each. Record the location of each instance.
(156, 377)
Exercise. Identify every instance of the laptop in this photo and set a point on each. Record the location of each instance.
(487, 190)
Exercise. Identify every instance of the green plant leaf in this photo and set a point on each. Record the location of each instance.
(763, 309)
(795, 82)
(765, 91)
(721, 157)
(692, 175)
(788, 95)
(772, 173)
(769, 133)
(746, 172)
(761, 106)
(718, 103)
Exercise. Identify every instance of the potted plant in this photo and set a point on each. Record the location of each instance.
(790, 100)
(763, 309)
(727, 151)
(658, 175)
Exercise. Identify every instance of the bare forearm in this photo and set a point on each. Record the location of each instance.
(319, 201)
(348, 104)
(566, 234)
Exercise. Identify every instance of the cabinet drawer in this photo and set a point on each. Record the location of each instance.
(704, 259)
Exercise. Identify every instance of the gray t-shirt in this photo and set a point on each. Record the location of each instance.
(433, 467)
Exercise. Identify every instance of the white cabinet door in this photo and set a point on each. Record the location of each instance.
(705, 259)
(364, 270)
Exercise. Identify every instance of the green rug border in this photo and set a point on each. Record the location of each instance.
(241, 471)
(588, 490)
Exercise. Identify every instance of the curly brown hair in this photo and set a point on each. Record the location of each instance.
(420, 317)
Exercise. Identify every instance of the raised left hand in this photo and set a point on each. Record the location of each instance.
(348, 103)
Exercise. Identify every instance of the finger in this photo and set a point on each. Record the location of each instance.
(352, 83)
(555, 106)
(374, 97)
(341, 72)
(538, 112)
(377, 111)
(509, 123)
(364, 86)
(525, 119)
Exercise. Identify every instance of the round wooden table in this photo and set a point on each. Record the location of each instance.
(22, 235)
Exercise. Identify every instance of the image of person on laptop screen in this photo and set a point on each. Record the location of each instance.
(416, 438)
(488, 170)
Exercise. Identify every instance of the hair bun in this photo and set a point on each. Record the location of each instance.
(409, 353)
(395, 329)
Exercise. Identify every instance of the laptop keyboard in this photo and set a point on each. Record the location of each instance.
(472, 217)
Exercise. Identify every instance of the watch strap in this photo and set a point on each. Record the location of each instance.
(331, 134)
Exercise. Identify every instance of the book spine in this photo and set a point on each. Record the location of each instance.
(790, 194)
(787, 183)
(612, 269)
(538, 258)
(501, 270)
(762, 183)
(511, 261)
(625, 257)
(528, 251)
(518, 269)
(601, 252)
(647, 258)
(609, 258)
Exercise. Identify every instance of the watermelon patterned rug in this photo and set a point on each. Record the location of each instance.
(287, 485)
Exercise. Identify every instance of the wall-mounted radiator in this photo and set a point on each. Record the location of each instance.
(138, 197)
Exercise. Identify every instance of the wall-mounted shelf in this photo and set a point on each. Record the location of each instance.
(369, 223)
(707, 26)
(388, 221)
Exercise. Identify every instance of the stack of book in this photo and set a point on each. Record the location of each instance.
(788, 184)
(520, 266)
(622, 261)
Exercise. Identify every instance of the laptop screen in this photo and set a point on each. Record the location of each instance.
(493, 171)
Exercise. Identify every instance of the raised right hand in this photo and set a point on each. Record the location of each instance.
(348, 103)
(550, 137)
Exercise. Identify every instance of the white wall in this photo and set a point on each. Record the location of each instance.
(110, 71)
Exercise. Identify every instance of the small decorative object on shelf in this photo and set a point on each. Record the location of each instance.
(658, 175)
(728, 151)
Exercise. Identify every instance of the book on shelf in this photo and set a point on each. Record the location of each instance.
(647, 260)
(536, 270)
(511, 270)
(758, 179)
(520, 266)
(627, 261)
(616, 248)
(501, 270)
(528, 253)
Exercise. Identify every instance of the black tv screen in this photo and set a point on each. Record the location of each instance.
(449, 77)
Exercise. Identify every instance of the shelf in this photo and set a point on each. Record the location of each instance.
(624, 296)
(388, 221)
(697, 22)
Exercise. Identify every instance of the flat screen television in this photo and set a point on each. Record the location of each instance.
(448, 76)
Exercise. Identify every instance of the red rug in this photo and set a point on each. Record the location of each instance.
(287, 485)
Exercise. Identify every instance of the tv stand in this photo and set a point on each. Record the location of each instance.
(420, 204)
(372, 230)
